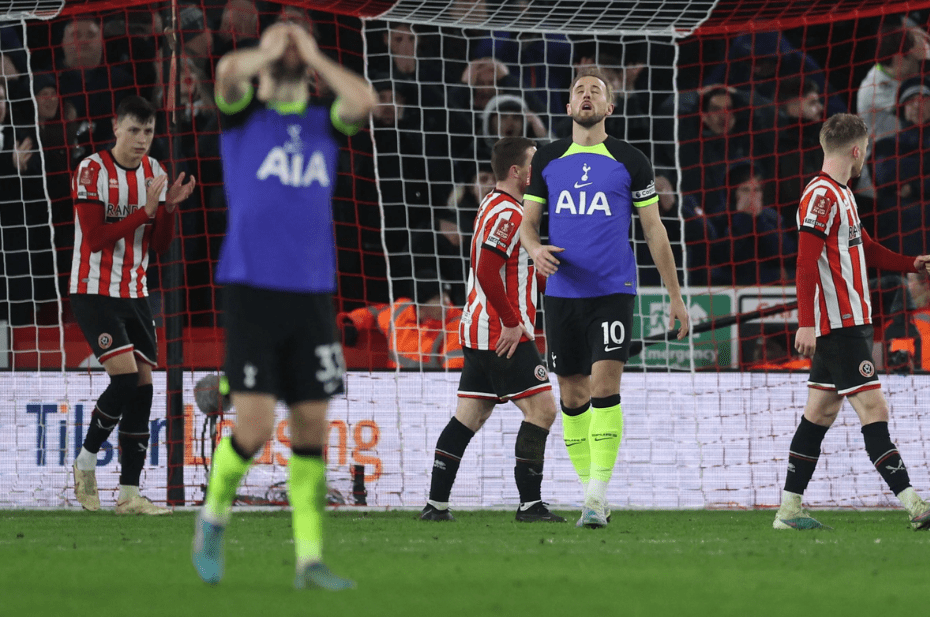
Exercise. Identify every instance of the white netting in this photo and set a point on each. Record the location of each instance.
(558, 16)
(15, 10)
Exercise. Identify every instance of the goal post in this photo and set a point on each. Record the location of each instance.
(724, 97)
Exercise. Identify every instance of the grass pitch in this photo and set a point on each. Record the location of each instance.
(645, 563)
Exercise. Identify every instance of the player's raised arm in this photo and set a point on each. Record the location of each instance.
(356, 96)
(661, 251)
(235, 70)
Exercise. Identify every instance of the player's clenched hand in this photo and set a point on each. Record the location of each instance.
(805, 341)
(152, 193)
(545, 260)
(680, 312)
(178, 192)
(510, 338)
(922, 263)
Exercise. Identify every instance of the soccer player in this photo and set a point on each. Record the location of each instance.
(278, 263)
(501, 359)
(591, 183)
(123, 209)
(834, 325)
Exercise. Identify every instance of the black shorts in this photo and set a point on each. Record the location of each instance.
(843, 362)
(486, 375)
(581, 331)
(113, 326)
(282, 343)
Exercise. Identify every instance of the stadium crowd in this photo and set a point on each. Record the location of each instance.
(732, 132)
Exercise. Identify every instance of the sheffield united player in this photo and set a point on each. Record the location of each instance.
(591, 185)
(501, 359)
(834, 325)
(123, 210)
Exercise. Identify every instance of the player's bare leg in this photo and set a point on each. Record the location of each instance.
(872, 409)
(819, 414)
(306, 487)
(539, 413)
(470, 416)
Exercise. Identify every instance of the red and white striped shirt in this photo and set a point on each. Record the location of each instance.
(497, 229)
(118, 269)
(841, 299)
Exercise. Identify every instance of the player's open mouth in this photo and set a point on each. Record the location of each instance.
(587, 106)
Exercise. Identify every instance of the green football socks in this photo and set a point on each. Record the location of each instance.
(306, 487)
(575, 426)
(605, 433)
(225, 474)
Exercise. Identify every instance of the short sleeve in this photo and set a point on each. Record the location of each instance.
(90, 182)
(816, 213)
(643, 183)
(503, 233)
(537, 190)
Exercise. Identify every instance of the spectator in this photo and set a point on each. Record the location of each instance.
(898, 56)
(902, 171)
(798, 155)
(130, 44)
(907, 333)
(700, 237)
(51, 173)
(421, 332)
(467, 197)
(541, 62)
(26, 259)
(89, 84)
(760, 248)
(757, 62)
(482, 80)
(238, 23)
(717, 128)
(507, 115)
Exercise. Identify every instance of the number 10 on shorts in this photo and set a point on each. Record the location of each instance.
(614, 334)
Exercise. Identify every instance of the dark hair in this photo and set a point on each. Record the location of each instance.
(508, 152)
(593, 71)
(795, 86)
(893, 40)
(842, 130)
(710, 93)
(738, 173)
(137, 107)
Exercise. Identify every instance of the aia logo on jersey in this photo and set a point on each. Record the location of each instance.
(541, 373)
(104, 341)
(866, 368)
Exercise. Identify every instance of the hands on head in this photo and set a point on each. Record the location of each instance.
(280, 37)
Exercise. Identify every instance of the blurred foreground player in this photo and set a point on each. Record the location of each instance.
(501, 359)
(123, 209)
(278, 264)
(835, 325)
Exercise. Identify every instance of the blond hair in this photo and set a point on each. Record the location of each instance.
(841, 131)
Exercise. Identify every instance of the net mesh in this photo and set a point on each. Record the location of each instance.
(726, 100)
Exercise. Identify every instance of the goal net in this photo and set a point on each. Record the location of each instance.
(725, 98)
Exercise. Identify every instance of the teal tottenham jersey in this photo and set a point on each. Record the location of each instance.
(590, 193)
(279, 172)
